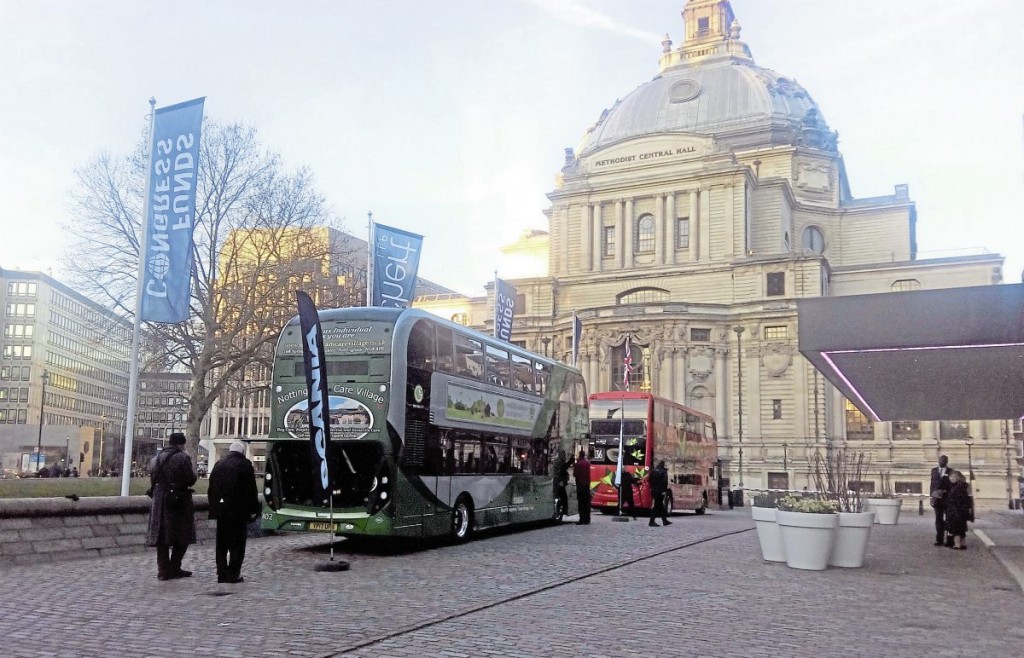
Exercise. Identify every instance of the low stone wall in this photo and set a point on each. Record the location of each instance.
(34, 530)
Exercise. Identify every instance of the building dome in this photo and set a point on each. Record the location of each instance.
(711, 86)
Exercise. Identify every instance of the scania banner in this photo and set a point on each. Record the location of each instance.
(396, 259)
(504, 309)
(170, 218)
(319, 395)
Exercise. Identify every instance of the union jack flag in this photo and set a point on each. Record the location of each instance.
(627, 365)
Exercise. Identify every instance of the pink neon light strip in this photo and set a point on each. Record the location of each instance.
(921, 349)
(850, 385)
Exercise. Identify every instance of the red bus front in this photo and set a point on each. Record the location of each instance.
(651, 429)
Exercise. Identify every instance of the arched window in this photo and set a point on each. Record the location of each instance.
(906, 284)
(640, 374)
(813, 240)
(642, 296)
(644, 236)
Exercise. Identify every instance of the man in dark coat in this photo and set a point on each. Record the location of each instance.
(659, 488)
(172, 523)
(628, 480)
(561, 481)
(234, 502)
(939, 486)
(581, 471)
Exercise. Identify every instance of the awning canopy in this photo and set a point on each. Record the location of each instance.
(949, 354)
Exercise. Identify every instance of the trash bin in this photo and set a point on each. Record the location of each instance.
(736, 497)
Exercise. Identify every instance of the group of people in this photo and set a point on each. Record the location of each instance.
(658, 480)
(953, 504)
(234, 503)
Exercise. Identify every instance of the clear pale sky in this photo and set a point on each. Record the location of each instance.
(449, 117)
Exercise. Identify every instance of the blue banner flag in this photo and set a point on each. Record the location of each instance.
(577, 336)
(504, 309)
(170, 216)
(318, 402)
(396, 258)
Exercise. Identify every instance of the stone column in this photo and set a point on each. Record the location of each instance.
(705, 225)
(598, 239)
(620, 227)
(722, 416)
(752, 396)
(659, 230)
(629, 223)
(587, 240)
(695, 232)
(670, 228)
(976, 428)
(730, 228)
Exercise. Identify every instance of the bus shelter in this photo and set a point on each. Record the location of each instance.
(922, 354)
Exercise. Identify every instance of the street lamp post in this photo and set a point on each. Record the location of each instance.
(970, 460)
(42, 409)
(739, 371)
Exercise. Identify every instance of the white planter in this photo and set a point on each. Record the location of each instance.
(768, 534)
(807, 538)
(851, 542)
(887, 510)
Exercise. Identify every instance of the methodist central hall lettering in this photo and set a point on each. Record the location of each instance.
(682, 150)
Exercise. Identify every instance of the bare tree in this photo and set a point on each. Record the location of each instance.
(260, 233)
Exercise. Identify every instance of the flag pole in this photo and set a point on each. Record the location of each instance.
(369, 258)
(626, 363)
(495, 314)
(133, 360)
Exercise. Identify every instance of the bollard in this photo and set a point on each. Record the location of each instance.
(920, 508)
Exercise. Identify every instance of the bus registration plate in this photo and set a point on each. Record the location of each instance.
(319, 525)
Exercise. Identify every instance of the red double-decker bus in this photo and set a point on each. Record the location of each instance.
(652, 429)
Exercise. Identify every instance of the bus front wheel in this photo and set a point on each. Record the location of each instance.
(462, 519)
(703, 505)
(668, 505)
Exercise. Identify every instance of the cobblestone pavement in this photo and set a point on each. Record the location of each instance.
(697, 588)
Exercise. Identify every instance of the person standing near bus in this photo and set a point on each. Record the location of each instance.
(234, 502)
(172, 519)
(561, 481)
(659, 489)
(581, 471)
(628, 480)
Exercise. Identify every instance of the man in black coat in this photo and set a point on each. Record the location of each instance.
(581, 471)
(234, 502)
(939, 487)
(659, 489)
(172, 522)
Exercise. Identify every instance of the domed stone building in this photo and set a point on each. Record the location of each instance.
(692, 216)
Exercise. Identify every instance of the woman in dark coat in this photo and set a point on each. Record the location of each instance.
(172, 527)
(959, 509)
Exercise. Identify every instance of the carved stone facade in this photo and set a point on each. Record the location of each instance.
(678, 227)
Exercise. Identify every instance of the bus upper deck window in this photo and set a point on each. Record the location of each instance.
(445, 349)
(421, 345)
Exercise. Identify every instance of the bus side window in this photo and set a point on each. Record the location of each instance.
(522, 374)
(497, 366)
(469, 357)
(543, 377)
(445, 350)
(421, 346)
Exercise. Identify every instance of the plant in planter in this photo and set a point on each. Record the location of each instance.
(763, 508)
(808, 526)
(885, 504)
(839, 478)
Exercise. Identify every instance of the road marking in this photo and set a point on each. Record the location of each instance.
(984, 538)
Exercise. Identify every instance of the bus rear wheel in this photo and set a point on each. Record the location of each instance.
(668, 505)
(703, 505)
(462, 519)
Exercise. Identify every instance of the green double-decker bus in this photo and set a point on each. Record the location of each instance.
(436, 429)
